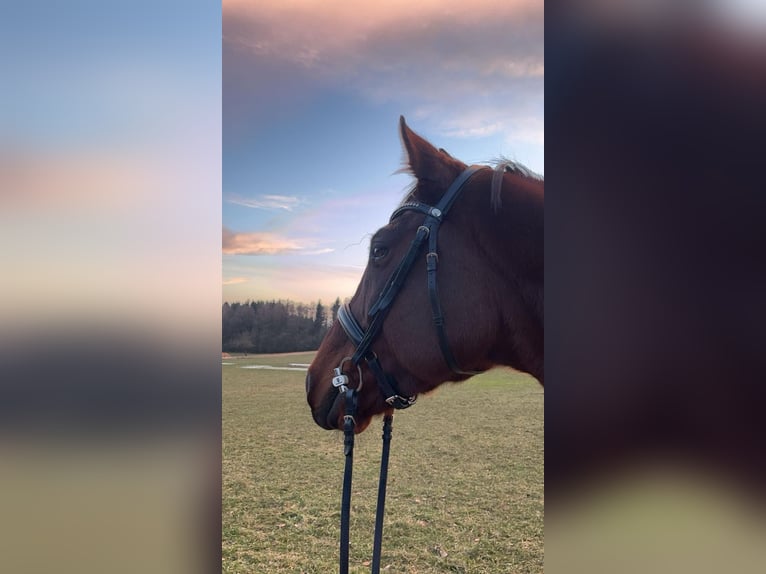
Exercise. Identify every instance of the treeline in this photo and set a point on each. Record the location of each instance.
(275, 326)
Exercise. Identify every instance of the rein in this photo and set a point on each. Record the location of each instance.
(388, 386)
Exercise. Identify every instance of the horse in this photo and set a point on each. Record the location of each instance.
(404, 332)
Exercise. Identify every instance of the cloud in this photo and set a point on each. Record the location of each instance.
(261, 243)
(256, 243)
(486, 121)
(307, 31)
(414, 42)
(267, 202)
(235, 280)
(434, 53)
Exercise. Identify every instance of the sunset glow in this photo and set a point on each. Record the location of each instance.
(312, 92)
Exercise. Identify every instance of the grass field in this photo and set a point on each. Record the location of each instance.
(465, 490)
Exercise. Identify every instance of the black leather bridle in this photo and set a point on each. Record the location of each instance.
(363, 340)
(429, 229)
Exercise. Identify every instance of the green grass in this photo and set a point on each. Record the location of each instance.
(465, 490)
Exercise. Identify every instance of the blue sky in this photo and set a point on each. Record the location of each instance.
(312, 93)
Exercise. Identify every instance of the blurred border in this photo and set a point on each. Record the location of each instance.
(655, 210)
(110, 203)
(110, 171)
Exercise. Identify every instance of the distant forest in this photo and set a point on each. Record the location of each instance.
(275, 326)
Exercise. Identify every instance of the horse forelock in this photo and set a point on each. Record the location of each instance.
(516, 167)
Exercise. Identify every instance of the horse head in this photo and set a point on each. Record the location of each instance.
(453, 286)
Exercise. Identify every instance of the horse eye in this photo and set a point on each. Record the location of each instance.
(378, 252)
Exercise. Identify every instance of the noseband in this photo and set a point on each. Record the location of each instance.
(363, 340)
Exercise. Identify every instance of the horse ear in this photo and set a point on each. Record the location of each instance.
(434, 168)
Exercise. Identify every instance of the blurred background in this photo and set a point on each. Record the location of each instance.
(654, 405)
(110, 208)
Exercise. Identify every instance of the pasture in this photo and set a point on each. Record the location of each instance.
(465, 491)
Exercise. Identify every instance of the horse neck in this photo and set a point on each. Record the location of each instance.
(511, 237)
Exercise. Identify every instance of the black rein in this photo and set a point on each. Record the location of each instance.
(363, 340)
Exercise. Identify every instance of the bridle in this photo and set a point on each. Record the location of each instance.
(363, 340)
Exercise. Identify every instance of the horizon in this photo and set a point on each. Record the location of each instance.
(311, 303)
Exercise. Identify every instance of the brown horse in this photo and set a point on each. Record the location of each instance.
(486, 311)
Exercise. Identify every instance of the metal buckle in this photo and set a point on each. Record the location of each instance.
(432, 260)
(340, 381)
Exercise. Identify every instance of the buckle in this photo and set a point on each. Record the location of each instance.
(340, 381)
(432, 259)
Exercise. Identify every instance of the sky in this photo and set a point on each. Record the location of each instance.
(312, 94)
(110, 164)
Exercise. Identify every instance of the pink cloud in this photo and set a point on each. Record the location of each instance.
(262, 243)
(494, 56)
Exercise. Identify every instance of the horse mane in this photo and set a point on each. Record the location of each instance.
(503, 165)
(500, 166)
